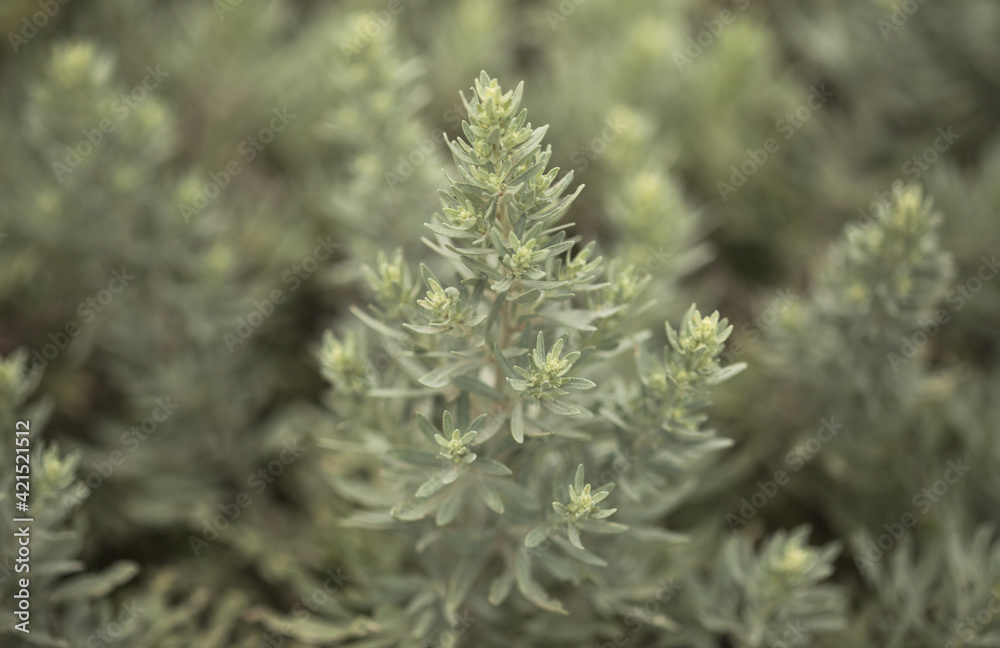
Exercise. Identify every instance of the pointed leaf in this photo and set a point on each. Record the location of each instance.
(529, 588)
(462, 580)
(481, 268)
(477, 387)
(505, 365)
(543, 285)
(601, 526)
(559, 407)
(441, 377)
(416, 457)
(540, 346)
(517, 496)
(500, 587)
(462, 412)
(580, 554)
(578, 383)
(503, 285)
(377, 325)
(431, 486)
(536, 535)
(528, 297)
(489, 495)
(578, 320)
(451, 507)
(495, 310)
(97, 585)
(517, 422)
(422, 328)
(727, 372)
(492, 467)
(426, 427)
(451, 473)
(412, 509)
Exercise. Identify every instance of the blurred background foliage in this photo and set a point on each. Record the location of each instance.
(653, 104)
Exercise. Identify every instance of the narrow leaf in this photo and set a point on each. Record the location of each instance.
(481, 268)
(536, 535)
(601, 526)
(574, 536)
(426, 427)
(377, 325)
(462, 581)
(582, 555)
(441, 377)
(517, 422)
(92, 586)
(528, 297)
(429, 487)
(416, 457)
(559, 407)
(489, 495)
(505, 364)
(451, 507)
(530, 589)
(492, 467)
(500, 587)
(477, 387)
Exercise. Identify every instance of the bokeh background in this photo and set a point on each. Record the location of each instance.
(188, 191)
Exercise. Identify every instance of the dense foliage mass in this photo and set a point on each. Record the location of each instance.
(284, 382)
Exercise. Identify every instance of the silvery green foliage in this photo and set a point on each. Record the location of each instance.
(774, 594)
(172, 333)
(518, 346)
(880, 282)
(71, 607)
(589, 66)
(906, 473)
